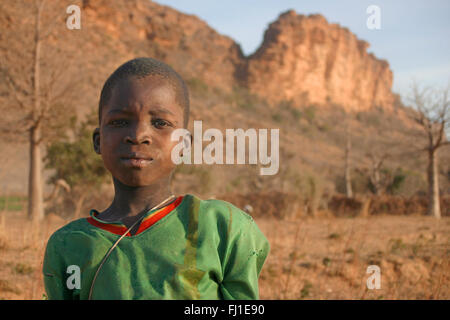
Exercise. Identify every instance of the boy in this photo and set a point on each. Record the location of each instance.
(149, 243)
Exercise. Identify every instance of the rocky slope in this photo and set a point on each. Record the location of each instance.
(303, 58)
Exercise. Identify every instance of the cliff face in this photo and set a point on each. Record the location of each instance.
(303, 58)
(183, 41)
(308, 60)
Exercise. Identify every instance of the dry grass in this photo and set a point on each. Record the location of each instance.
(22, 248)
(321, 258)
(329, 258)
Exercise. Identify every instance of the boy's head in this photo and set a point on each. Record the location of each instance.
(143, 67)
(141, 104)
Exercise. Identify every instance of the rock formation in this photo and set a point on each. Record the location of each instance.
(309, 61)
(184, 41)
(303, 58)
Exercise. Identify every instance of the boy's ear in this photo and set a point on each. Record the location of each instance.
(96, 140)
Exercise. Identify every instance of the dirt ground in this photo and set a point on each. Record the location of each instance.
(320, 258)
(328, 258)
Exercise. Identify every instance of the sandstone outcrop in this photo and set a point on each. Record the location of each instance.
(309, 61)
(304, 59)
(184, 41)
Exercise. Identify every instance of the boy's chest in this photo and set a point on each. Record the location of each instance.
(147, 267)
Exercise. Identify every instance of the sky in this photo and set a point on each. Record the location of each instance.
(414, 35)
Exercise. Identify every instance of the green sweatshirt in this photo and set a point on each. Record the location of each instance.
(190, 249)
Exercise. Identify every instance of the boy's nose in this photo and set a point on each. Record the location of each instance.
(140, 135)
(137, 140)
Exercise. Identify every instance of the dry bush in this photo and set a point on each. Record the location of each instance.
(392, 205)
(273, 204)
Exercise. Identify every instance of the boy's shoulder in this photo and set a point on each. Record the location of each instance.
(221, 209)
(236, 225)
(79, 226)
(74, 225)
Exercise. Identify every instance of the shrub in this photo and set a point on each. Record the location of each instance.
(306, 289)
(77, 164)
(22, 268)
(310, 113)
(197, 86)
(277, 117)
(243, 98)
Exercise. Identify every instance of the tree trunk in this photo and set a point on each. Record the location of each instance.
(365, 208)
(35, 188)
(434, 208)
(376, 181)
(35, 192)
(348, 180)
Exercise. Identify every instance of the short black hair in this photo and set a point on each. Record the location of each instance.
(141, 68)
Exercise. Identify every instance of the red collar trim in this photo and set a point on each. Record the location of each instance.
(120, 229)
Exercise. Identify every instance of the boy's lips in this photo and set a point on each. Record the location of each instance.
(136, 160)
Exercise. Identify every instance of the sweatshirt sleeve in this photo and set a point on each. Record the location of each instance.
(247, 252)
(54, 270)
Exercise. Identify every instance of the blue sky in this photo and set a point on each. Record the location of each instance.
(414, 36)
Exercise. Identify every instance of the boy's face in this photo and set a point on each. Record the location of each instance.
(134, 137)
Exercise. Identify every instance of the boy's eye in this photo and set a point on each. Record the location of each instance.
(160, 123)
(118, 123)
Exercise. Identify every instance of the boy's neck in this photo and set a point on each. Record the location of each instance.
(133, 201)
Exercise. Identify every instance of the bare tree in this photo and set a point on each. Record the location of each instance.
(433, 116)
(378, 180)
(348, 180)
(35, 96)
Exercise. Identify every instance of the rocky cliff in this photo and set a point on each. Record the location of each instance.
(184, 41)
(302, 58)
(309, 61)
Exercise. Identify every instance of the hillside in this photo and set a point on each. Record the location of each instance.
(309, 78)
